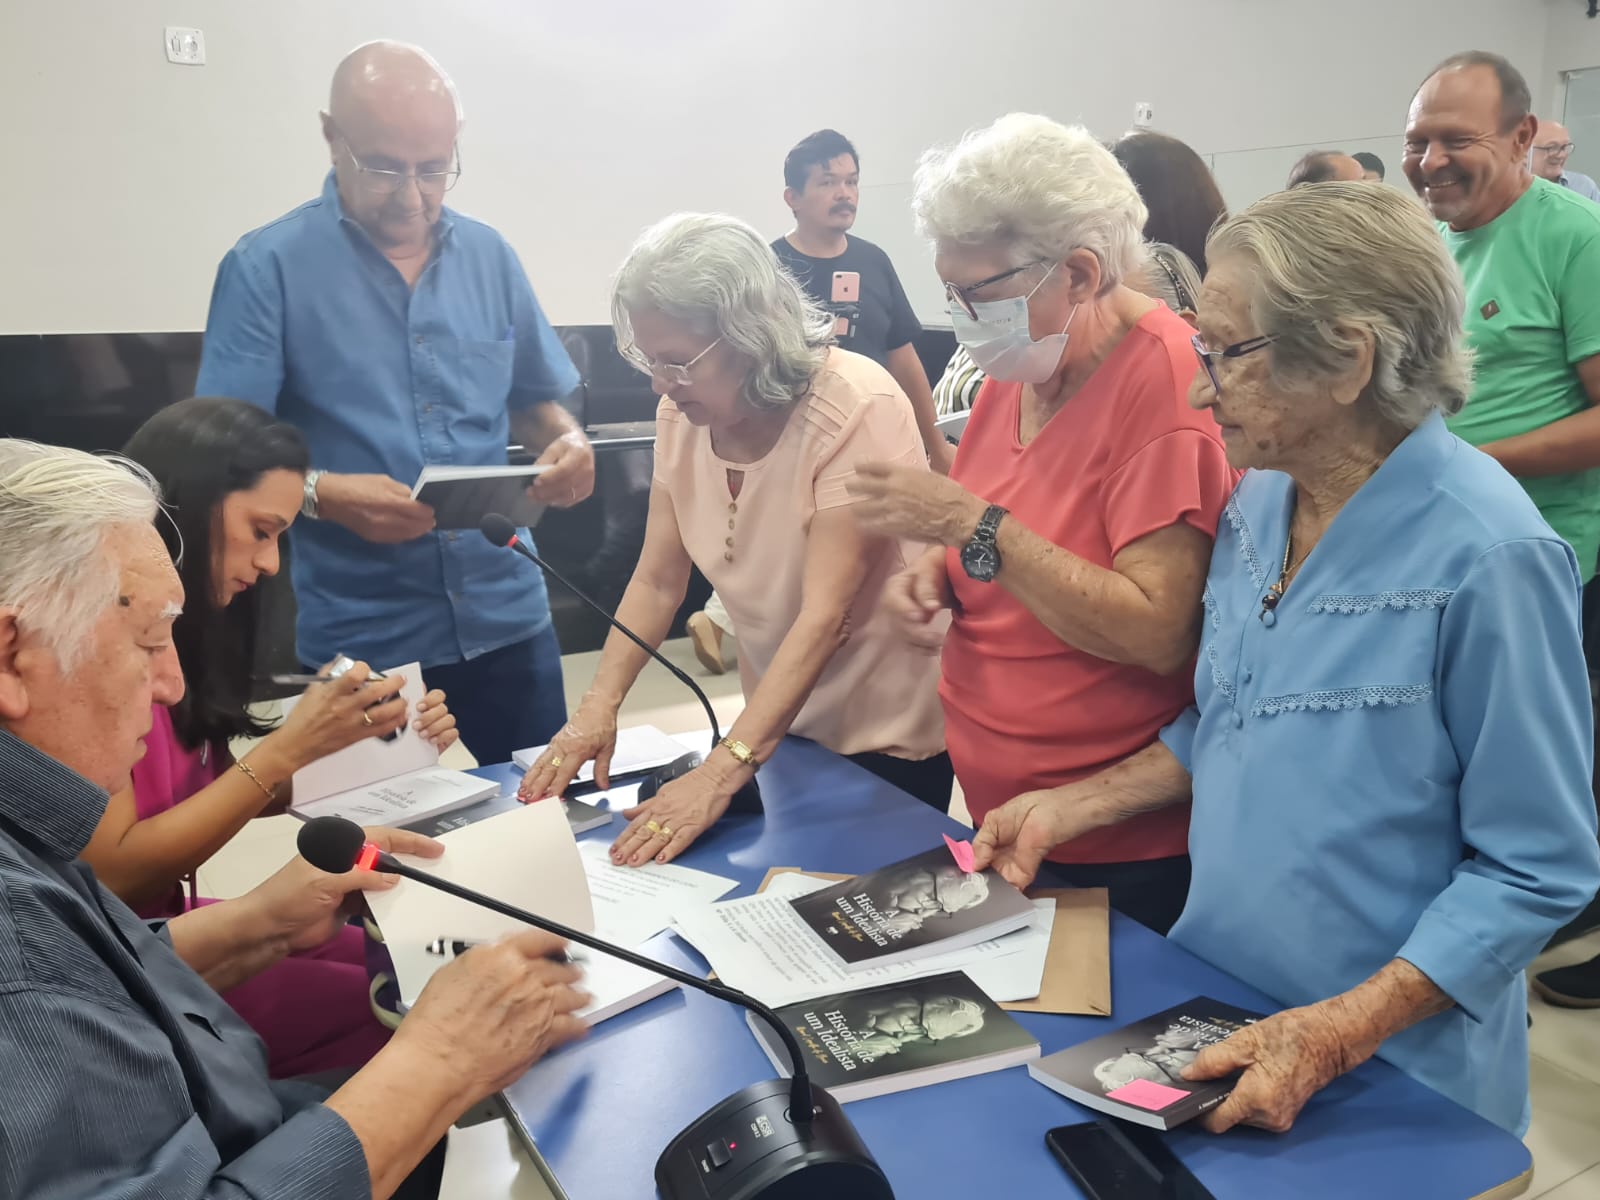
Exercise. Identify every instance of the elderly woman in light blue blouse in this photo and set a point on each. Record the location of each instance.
(1390, 746)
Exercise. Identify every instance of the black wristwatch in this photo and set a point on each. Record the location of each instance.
(981, 556)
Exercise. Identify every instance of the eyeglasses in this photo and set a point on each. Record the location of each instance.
(1210, 358)
(672, 374)
(1557, 148)
(961, 296)
(381, 182)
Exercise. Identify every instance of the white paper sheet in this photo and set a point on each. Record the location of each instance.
(759, 945)
(371, 760)
(527, 858)
(633, 904)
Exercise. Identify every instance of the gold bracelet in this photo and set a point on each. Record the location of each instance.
(740, 751)
(250, 774)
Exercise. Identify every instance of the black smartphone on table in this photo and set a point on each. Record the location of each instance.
(1112, 1160)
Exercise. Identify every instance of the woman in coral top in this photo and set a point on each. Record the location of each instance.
(1073, 535)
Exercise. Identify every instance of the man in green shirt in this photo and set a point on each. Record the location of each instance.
(1530, 254)
(1529, 251)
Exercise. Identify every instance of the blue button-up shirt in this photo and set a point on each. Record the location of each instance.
(122, 1074)
(1398, 764)
(1578, 182)
(308, 319)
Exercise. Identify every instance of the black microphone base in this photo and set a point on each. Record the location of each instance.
(746, 800)
(747, 1148)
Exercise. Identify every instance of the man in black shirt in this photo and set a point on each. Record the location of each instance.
(855, 281)
(850, 277)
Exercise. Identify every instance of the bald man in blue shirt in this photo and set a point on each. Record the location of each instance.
(395, 334)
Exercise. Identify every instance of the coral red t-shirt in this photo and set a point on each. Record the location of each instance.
(1125, 457)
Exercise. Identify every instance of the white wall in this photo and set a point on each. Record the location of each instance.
(587, 119)
(1572, 41)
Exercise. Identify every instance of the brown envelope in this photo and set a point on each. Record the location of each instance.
(1077, 967)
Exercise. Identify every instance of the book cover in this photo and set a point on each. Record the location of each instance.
(899, 1036)
(1136, 1072)
(923, 902)
(461, 496)
(582, 817)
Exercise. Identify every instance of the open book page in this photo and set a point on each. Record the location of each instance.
(371, 760)
(526, 858)
(760, 945)
(633, 904)
(405, 799)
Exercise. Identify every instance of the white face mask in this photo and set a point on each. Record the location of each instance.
(999, 341)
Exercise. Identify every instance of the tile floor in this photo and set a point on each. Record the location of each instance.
(1564, 1139)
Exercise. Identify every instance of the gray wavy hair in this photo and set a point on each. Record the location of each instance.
(1168, 275)
(1037, 187)
(57, 508)
(1328, 257)
(716, 275)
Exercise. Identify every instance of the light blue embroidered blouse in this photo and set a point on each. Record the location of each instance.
(1397, 761)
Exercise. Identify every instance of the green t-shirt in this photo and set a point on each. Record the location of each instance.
(1533, 313)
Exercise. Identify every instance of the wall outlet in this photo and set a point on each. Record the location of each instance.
(186, 47)
(1144, 114)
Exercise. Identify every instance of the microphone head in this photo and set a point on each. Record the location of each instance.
(331, 844)
(498, 529)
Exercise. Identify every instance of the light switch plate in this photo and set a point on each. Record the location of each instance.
(186, 47)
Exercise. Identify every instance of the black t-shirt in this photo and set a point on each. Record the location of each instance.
(879, 321)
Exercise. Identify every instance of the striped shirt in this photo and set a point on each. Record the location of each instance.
(125, 1076)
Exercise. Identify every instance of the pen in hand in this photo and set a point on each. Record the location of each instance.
(455, 947)
(293, 679)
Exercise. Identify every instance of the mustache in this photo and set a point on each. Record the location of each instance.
(850, 208)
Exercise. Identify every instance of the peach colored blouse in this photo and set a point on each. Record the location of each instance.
(877, 693)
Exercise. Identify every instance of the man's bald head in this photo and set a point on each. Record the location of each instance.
(1551, 145)
(392, 115)
(391, 80)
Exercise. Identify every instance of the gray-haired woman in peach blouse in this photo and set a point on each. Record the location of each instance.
(761, 426)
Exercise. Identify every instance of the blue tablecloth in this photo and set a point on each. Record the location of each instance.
(602, 1111)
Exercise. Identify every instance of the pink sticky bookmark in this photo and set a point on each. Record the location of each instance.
(962, 853)
(1141, 1093)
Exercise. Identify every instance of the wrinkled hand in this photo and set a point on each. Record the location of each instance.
(340, 713)
(496, 1010)
(591, 734)
(1016, 837)
(570, 477)
(373, 507)
(916, 597)
(307, 907)
(435, 723)
(922, 506)
(680, 812)
(1286, 1059)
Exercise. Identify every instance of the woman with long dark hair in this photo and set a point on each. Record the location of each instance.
(231, 477)
(1177, 188)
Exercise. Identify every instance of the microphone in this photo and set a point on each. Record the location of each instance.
(799, 1143)
(499, 531)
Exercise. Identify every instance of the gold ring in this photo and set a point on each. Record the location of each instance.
(367, 717)
(556, 761)
(666, 832)
(653, 827)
